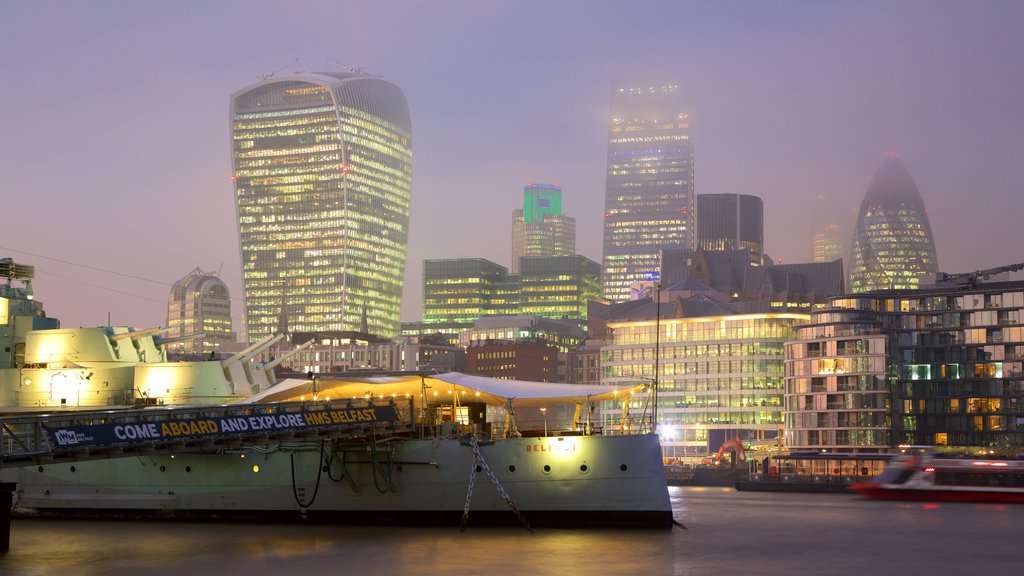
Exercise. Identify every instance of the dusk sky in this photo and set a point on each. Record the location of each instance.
(115, 157)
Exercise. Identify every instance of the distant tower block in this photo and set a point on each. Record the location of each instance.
(892, 243)
(649, 196)
(727, 222)
(826, 247)
(199, 303)
(540, 229)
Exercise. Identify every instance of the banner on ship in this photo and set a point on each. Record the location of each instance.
(217, 426)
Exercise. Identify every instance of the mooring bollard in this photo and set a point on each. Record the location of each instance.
(6, 490)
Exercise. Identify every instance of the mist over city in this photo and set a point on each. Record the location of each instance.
(116, 150)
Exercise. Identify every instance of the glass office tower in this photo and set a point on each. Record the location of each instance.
(728, 222)
(892, 244)
(323, 179)
(649, 197)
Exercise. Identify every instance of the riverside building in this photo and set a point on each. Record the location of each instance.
(940, 365)
(719, 366)
(323, 177)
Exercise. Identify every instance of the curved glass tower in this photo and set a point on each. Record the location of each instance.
(323, 179)
(892, 243)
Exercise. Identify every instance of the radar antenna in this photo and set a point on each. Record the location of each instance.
(271, 74)
(970, 279)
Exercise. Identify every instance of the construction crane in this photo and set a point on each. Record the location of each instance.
(970, 279)
(271, 74)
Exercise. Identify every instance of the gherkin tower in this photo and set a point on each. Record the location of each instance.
(892, 244)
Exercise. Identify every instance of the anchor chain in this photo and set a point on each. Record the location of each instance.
(478, 458)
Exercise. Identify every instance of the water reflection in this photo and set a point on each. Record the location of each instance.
(727, 532)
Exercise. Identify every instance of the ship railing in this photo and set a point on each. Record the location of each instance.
(94, 434)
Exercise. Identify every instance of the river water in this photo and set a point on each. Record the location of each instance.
(728, 532)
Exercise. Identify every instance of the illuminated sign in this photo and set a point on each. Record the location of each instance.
(216, 427)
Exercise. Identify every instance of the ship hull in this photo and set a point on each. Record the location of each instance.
(557, 481)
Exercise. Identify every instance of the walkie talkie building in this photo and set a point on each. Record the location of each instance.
(323, 178)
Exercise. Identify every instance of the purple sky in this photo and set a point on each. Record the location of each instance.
(114, 142)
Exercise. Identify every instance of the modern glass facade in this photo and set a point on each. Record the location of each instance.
(558, 287)
(649, 195)
(323, 178)
(731, 222)
(892, 243)
(540, 229)
(199, 303)
(717, 374)
(837, 386)
(948, 360)
(458, 291)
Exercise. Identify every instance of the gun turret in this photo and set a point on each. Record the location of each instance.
(251, 350)
(136, 334)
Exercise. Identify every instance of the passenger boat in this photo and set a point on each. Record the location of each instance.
(948, 479)
(99, 422)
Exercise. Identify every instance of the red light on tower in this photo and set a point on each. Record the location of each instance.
(345, 168)
(233, 177)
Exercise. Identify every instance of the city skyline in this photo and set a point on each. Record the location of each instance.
(114, 149)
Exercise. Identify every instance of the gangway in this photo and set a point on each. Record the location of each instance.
(91, 435)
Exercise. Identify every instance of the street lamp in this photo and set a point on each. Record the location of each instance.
(544, 412)
(657, 346)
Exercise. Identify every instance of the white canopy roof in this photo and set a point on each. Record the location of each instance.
(438, 387)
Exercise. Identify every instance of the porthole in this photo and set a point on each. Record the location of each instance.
(163, 468)
(623, 467)
(584, 468)
(255, 468)
(188, 468)
(479, 469)
(512, 468)
(547, 469)
(40, 468)
(72, 468)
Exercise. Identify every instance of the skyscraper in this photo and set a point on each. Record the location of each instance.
(649, 195)
(826, 244)
(323, 179)
(892, 243)
(540, 229)
(731, 222)
(199, 303)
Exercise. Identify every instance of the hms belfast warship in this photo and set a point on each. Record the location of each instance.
(97, 421)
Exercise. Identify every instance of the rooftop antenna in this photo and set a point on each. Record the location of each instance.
(271, 74)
